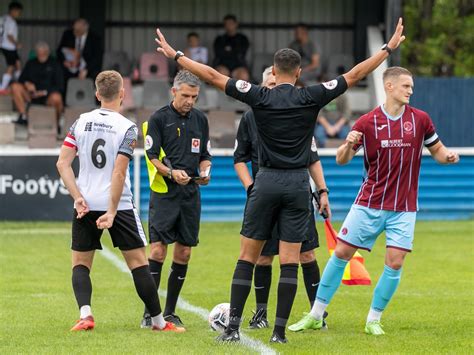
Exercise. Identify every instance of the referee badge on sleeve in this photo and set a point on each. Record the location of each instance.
(314, 147)
(195, 145)
(148, 142)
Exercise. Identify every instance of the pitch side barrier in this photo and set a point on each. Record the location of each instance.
(30, 187)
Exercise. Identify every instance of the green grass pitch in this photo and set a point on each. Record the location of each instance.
(432, 311)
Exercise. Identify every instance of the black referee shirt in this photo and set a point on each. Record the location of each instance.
(285, 118)
(246, 143)
(184, 139)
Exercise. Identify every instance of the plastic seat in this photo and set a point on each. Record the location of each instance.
(118, 61)
(156, 94)
(153, 66)
(42, 127)
(80, 92)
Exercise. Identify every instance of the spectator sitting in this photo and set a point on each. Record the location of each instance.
(194, 50)
(9, 43)
(80, 52)
(230, 50)
(333, 120)
(41, 82)
(309, 52)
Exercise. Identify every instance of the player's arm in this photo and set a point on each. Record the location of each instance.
(64, 166)
(204, 72)
(348, 149)
(366, 67)
(442, 154)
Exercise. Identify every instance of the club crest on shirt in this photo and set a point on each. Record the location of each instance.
(314, 147)
(330, 84)
(407, 126)
(148, 142)
(242, 86)
(195, 145)
(344, 231)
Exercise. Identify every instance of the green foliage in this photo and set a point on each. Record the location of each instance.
(440, 37)
(432, 311)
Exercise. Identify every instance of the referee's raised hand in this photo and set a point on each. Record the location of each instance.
(164, 47)
(398, 36)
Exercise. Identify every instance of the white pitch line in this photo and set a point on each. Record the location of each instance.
(245, 340)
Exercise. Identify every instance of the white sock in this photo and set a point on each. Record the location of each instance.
(318, 309)
(85, 312)
(374, 315)
(158, 320)
(6, 80)
(17, 74)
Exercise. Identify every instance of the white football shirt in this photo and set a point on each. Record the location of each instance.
(9, 27)
(99, 136)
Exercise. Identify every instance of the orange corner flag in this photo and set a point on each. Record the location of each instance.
(355, 272)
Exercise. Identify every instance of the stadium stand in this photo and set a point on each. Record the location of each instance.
(80, 92)
(118, 61)
(153, 67)
(42, 127)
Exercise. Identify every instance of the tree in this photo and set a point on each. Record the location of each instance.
(440, 37)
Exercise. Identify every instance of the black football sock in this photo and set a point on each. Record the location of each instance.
(175, 283)
(146, 289)
(311, 279)
(240, 289)
(262, 283)
(82, 285)
(286, 295)
(155, 270)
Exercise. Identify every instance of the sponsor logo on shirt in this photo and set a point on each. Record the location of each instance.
(88, 127)
(243, 86)
(148, 142)
(195, 145)
(394, 143)
(330, 84)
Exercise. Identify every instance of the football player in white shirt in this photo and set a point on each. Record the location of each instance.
(9, 43)
(104, 140)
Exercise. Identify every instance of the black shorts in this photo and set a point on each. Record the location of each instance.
(271, 246)
(175, 216)
(10, 56)
(126, 232)
(278, 197)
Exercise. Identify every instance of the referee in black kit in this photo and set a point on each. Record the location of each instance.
(177, 145)
(285, 120)
(246, 150)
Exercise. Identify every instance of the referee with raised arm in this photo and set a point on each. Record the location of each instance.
(246, 150)
(177, 150)
(285, 120)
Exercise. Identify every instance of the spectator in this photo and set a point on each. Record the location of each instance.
(230, 50)
(41, 82)
(9, 43)
(309, 52)
(195, 51)
(333, 120)
(80, 52)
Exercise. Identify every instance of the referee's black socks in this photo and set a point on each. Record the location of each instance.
(146, 289)
(240, 289)
(82, 285)
(286, 295)
(262, 283)
(311, 279)
(175, 283)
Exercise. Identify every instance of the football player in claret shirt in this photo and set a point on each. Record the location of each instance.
(104, 141)
(393, 136)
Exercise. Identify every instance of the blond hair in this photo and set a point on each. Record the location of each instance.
(395, 72)
(108, 84)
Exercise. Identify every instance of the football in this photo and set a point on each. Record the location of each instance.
(219, 317)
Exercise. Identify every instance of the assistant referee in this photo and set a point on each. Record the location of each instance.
(177, 148)
(285, 120)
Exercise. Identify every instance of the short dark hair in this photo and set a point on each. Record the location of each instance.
(192, 34)
(302, 25)
(287, 60)
(230, 17)
(14, 5)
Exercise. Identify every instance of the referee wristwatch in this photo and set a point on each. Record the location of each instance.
(178, 55)
(326, 190)
(170, 174)
(385, 47)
